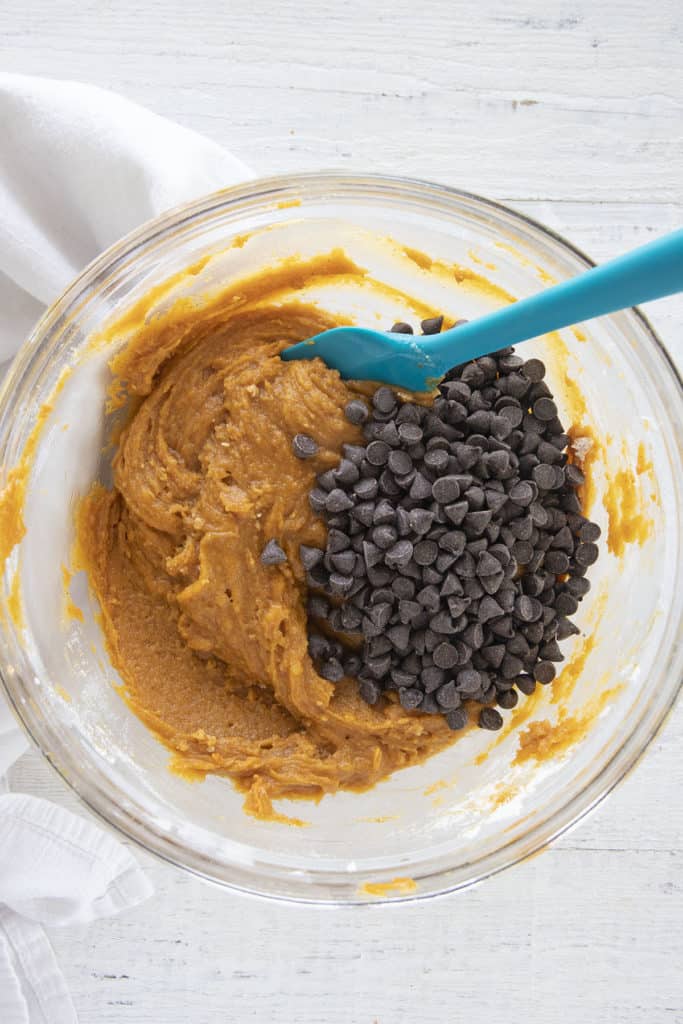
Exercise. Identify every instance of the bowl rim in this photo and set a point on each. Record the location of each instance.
(434, 882)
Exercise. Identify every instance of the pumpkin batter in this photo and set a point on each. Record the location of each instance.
(211, 644)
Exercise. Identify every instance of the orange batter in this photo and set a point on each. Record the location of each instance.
(211, 644)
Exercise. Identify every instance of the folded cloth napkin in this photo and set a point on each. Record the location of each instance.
(55, 869)
(79, 167)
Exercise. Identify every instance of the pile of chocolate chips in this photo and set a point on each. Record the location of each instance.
(456, 550)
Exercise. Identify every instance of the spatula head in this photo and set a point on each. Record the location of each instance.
(359, 353)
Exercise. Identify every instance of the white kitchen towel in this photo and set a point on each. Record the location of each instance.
(79, 167)
(55, 869)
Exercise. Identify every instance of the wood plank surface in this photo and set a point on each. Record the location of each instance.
(572, 112)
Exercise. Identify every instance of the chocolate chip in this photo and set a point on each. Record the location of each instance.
(408, 611)
(425, 552)
(507, 699)
(399, 637)
(534, 370)
(351, 618)
(377, 646)
(498, 464)
(446, 490)
(468, 681)
(577, 586)
(442, 623)
(473, 635)
(338, 501)
(410, 433)
(487, 565)
(489, 718)
(445, 656)
(544, 476)
(502, 627)
(304, 446)
(556, 562)
(589, 533)
(456, 512)
(399, 554)
(551, 651)
(457, 606)
(369, 691)
(453, 541)
(522, 493)
(318, 499)
(511, 666)
(515, 384)
(457, 719)
(549, 453)
(401, 328)
(467, 455)
(377, 453)
(523, 552)
(432, 325)
(586, 554)
(356, 411)
(344, 562)
(429, 705)
(346, 473)
(563, 540)
(403, 588)
(475, 498)
(431, 678)
(522, 528)
(355, 453)
(544, 672)
(448, 697)
(420, 488)
(366, 489)
(526, 684)
(310, 556)
(513, 414)
(545, 409)
(566, 604)
(273, 554)
(388, 432)
(384, 400)
(437, 460)
(421, 520)
(337, 540)
(317, 606)
(574, 476)
(331, 670)
(410, 698)
(340, 583)
(318, 646)
(378, 667)
(384, 537)
(352, 665)
(493, 655)
(466, 567)
(565, 628)
(400, 462)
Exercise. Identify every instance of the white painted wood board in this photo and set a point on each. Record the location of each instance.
(572, 112)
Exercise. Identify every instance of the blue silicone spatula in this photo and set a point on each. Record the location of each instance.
(417, 363)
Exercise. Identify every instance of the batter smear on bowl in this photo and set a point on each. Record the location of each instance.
(200, 558)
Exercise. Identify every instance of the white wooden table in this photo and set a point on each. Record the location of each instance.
(571, 112)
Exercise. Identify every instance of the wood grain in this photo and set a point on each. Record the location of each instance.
(573, 113)
(518, 101)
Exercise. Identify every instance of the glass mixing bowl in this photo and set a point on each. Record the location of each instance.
(485, 802)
